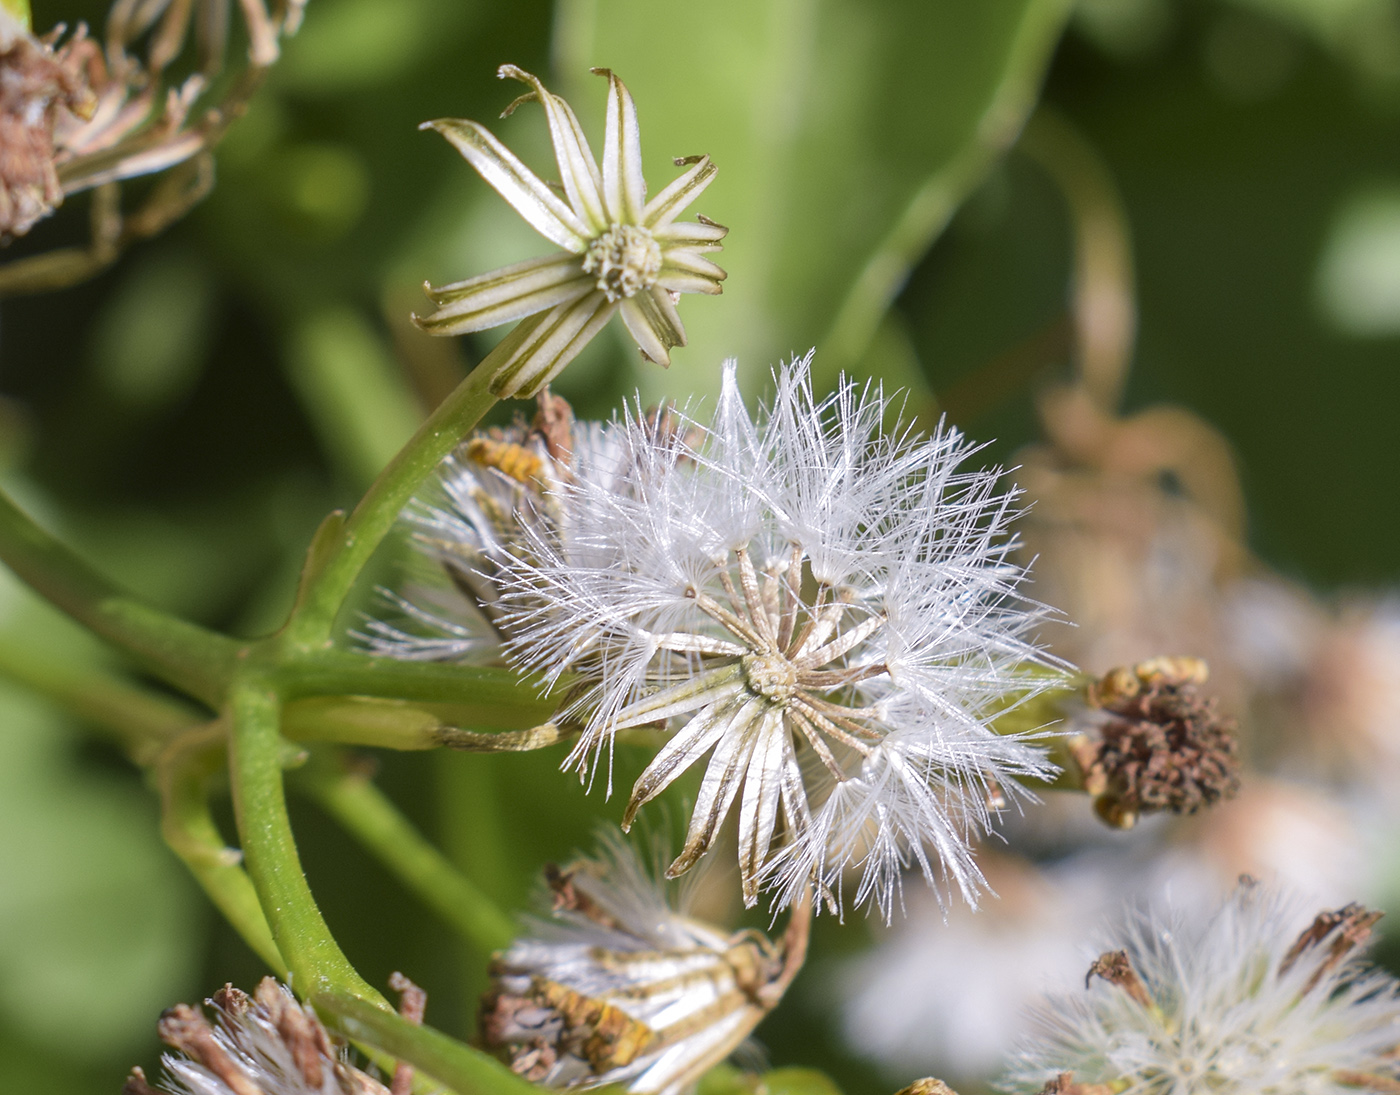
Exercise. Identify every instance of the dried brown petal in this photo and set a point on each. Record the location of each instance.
(136, 1084)
(1115, 968)
(554, 422)
(1064, 1084)
(1351, 926)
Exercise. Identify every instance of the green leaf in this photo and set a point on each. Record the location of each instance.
(97, 926)
(846, 133)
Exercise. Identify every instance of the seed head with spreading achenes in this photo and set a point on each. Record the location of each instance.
(621, 253)
(825, 609)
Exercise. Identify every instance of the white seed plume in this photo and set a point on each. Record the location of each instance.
(621, 988)
(1260, 999)
(825, 609)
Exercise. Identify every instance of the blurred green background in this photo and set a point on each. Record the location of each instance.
(188, 417)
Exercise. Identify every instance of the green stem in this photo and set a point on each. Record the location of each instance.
(189, 829)
(500, 697)
(467, 1071)
(315, 960)
(192, 659)
(139, 719)
(369, 815)
(328, 584)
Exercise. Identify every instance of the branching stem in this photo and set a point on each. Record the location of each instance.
(196, 661)
(314, 959)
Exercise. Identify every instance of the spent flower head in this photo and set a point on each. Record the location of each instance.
(620, 987)
(621, 253)
(1255, 1001)
(266, 1044)
(825, 610)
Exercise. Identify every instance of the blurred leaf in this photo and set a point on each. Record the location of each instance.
(152, 336)
(1358, 276)
(97, 929)
(353, 390)
(728, 1080)
(349, 44)
(846, 133)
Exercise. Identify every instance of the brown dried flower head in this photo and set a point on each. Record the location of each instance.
(267, 1044)
(1161, 744)
(41, 86)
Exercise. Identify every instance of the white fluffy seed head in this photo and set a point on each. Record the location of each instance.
(1261, 999)
(825, 609)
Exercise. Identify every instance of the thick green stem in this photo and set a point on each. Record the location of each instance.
(501, 697)
(314, 959)
(329, 581)
(137, 718)
(465, 1070)
(188, 826)
(192, 659)
(357, 804)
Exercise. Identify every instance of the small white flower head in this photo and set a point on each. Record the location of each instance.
(825, 610)
(268, 1044)
(621, 253)
(622, 988)
(1260, 999)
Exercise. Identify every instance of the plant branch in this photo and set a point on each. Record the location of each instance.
(500, 697)
(367, 813)
(329, 578)
(314, 959)
(182, 773)
(192, 659)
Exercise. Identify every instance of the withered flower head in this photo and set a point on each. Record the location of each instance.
(267, 1044)
(621, 988)
(41, 84)
(1242, 1004)
(1161, 744)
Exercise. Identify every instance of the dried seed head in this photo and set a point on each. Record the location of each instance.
(1163, 746)
(622, 989)
(39, 87)
(268, 1044)
(927, 1086)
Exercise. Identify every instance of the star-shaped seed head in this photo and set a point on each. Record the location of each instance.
(621, 253)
